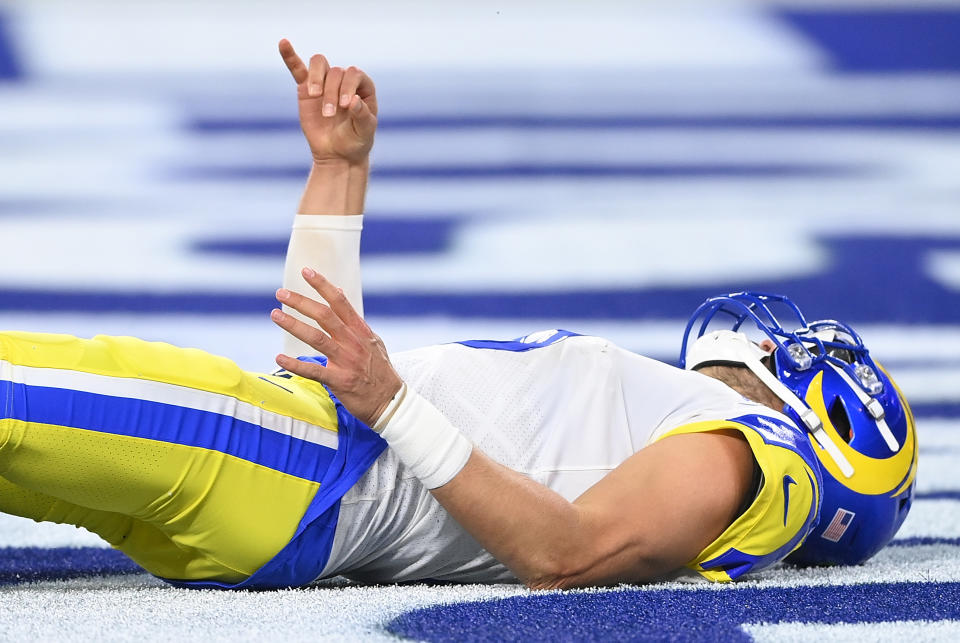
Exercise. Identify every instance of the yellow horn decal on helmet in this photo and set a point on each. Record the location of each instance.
(871, 476)
(911, 428)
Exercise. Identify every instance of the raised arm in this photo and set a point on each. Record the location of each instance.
(338, 116)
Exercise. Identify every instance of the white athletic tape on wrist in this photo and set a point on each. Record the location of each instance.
(423, 438)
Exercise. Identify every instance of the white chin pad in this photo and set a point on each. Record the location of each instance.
(722, 346)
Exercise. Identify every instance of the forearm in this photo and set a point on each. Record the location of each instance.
(531, 529)
(328, 243)
(335, 187)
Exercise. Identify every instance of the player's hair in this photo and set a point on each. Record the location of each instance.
(742, 380)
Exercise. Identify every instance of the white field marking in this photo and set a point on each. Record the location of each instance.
(22, 532)
(142, 608)
(37, 114)
(251, 341)
(886, 632)
(527, 34)
(172, 394)
(140, 254)
(922, 563)
(938, 471)
(944, 267)
(562, 255)
(932, 519)
(941, 432)
(929, 384)
(556, 255)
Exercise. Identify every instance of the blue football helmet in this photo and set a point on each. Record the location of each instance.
(858, 422)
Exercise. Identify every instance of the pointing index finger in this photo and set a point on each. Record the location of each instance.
(297, 69)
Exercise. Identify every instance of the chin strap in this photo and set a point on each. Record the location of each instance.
(727, 345)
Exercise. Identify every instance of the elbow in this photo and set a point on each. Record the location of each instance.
(555, 570)
(596, 553)
(546, 580)
(566, 570)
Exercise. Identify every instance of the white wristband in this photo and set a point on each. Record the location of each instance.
(423, 438)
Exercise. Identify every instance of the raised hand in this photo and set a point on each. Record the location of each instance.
(358, 370)
(338, 107)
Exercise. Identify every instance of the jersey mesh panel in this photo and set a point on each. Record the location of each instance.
(509, 431)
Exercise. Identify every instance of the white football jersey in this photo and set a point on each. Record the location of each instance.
(562, 409)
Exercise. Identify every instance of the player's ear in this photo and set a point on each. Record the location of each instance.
(768, 345)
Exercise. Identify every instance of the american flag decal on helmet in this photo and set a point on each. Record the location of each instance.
(838, 526)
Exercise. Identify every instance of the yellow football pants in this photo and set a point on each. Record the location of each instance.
(173, 456)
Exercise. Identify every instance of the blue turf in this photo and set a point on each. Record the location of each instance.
(943, 494)
(392, 235)
(916, 541)
(677, 615)
(27, 564)
(884, 39)
(760, 121)
(900, 276)
(936, 410)
(513, 171)
(10, 68)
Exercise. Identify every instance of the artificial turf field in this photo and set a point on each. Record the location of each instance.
(677, 152)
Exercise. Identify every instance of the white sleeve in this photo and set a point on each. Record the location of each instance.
(330, 244)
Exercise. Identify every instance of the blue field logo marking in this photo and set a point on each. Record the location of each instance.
(884, 39)
(903, 276)
(10, 68)
(676, 615)
(31, 564)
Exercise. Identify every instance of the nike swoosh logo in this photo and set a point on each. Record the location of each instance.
(787, 481)
(275, 384)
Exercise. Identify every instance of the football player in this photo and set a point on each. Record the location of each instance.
(556, 460)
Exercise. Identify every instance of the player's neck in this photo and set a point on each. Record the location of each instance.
(741, 380)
